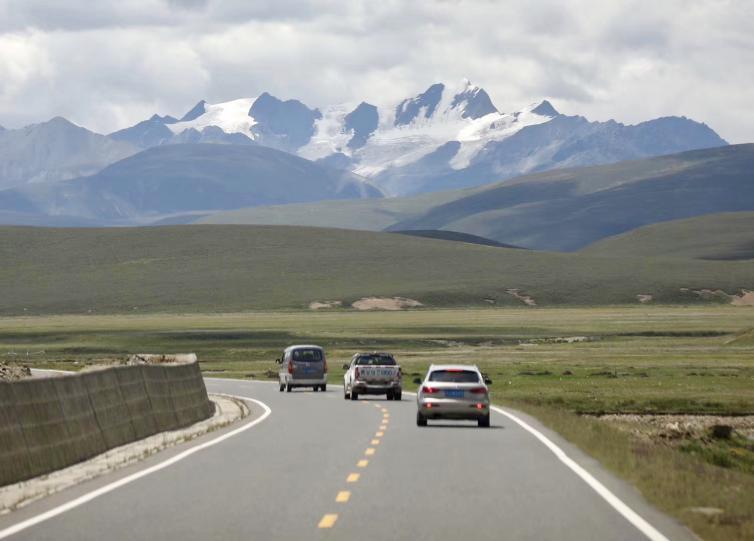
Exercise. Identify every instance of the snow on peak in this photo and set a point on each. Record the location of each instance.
(371, 139)
(230, 116)
(542, 108)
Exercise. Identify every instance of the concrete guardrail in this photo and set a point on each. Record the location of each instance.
(50, 423)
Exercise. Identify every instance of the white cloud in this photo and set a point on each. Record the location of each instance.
(108, 64)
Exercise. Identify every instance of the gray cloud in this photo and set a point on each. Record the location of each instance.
(109, 64)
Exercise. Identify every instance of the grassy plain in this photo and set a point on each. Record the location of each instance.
(241, 268)
(556, 363)
(631, 359)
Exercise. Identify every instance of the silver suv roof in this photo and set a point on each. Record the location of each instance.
(303, 346)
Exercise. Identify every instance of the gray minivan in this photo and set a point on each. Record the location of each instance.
(303, 366)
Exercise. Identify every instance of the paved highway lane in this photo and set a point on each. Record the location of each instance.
(320, 467)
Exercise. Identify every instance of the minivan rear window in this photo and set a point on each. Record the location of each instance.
(454, 376)
(375, 360)
(307, 355)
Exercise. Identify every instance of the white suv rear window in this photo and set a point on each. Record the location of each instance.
(454, 376)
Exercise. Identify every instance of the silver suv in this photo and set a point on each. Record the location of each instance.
(453, 391)
(302, 366)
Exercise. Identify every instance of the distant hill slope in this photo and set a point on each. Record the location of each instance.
(55, 150)
(186, 178)
(454, 236)
(364, 214)
(727, 236)
(570, 208)
(564, 209)
(222, 268)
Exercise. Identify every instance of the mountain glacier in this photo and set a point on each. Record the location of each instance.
(449, 136)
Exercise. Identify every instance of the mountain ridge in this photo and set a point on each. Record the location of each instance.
(455, 127)
(183, 178)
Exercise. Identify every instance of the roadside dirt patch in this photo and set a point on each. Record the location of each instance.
(323, 305)
(13, 372)
(744, 298)
(644, 299)
(679, 427)
(385, 303)
(526, 299)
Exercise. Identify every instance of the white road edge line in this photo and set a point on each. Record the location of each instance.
(616, 503)
(81, 500)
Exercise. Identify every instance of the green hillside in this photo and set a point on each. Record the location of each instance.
(361, 214)
(227, 268)
(715, 236)
(571, 208)
(562, 210)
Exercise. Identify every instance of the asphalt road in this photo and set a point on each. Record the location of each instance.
(320, 467)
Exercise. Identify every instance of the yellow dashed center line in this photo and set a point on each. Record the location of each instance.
(328, 521)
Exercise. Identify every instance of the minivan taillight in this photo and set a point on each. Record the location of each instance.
(429, 390)
(290, 367)
(325, 366)
(478, 390)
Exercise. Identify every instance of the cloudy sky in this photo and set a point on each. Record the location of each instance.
(107, 64)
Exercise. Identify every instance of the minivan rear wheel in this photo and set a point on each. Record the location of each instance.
(282, 387)
(346, 394)
(324, 388)
(288, 388)
(316, 388)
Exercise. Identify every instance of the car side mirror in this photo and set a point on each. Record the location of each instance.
(346, 366)
(279, 361)
(417, 381)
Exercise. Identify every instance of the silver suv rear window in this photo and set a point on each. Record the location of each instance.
(307, 355)
(454, 376)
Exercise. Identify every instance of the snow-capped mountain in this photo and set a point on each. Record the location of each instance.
(414, 129)
(448, 136)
